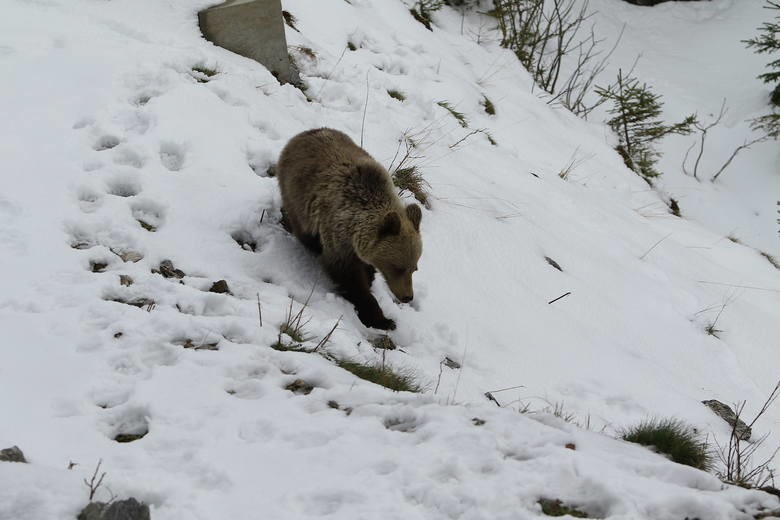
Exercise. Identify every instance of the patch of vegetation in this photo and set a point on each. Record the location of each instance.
(410, 179)
(712, 331)
(382, 374)
(294, 327)
(396, 94)
(306, 51)
(768, 42)
(290, 20)
(459, 116)
(552, 40)
(488, 105)
(635, 111)
(770, 258)
(673, 438)
(422, 11)
(554, 507)
(674, 207)
(203, 73)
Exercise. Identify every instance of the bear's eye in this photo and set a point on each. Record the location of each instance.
(399, 270)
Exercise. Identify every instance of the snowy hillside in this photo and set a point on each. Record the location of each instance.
(120, 152)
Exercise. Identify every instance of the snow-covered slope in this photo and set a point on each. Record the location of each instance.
(105, 124)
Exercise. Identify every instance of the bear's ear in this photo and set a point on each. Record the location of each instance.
(414, 213)
(391, 225)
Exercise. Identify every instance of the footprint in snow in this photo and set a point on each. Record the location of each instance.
(123, 185)
(129, 157)
(149, 214)
(172, 156)
(127, 425)
(88, 199)
(105, 142)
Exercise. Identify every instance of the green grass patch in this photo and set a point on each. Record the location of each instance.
(488, 105)
(673, 438)
(396, 94)
(203, 74)
(382, 374)
(459, 116)
(554, 507)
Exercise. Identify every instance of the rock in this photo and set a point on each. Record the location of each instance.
(130, 509)
(725, 412)
(12, 454)
(125, 280)
(168, 271)
(299, 386)
(128, 256)
(93, 511)
(97, 267)
(220, 287)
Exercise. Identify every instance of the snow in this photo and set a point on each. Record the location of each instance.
(104, 124)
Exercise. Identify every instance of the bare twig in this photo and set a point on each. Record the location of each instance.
(654, 246)
(559, 297)
(94, 483)
(259, 310)
(327, 336)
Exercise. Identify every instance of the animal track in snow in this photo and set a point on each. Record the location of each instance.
(106, 142)
(123, 185)
(129, 157)
(149, 214)
(172, 156)
(127, 425)
(89, 200)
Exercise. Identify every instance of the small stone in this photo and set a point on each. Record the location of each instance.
(125, 280)
(299, 386)
(200, 346)
(450, 363)
(725, 412)
(168, 270)
(571, 446)
(477, 421)
(128, 256)
(12, 454)
(97, 267)
(220, 287)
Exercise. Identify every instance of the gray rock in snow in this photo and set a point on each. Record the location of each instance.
(725, 412)
(130, 509)
(12, 454)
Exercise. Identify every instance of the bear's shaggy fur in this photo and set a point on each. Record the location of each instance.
(341, 203)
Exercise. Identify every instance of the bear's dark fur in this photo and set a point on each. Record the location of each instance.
(342, 204)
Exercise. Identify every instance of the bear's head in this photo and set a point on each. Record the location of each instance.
(396, 249)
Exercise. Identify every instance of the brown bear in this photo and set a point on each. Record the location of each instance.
(342, 204)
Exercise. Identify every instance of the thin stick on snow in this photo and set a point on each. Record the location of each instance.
(559, 297)
(365, 109)
(654, 246)
(259, 310)
(462, 364)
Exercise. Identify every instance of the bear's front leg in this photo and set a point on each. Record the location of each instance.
(353, 283)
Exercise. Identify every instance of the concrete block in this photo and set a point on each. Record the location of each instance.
(251, 28)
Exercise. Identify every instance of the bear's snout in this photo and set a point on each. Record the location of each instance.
(407, 299)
